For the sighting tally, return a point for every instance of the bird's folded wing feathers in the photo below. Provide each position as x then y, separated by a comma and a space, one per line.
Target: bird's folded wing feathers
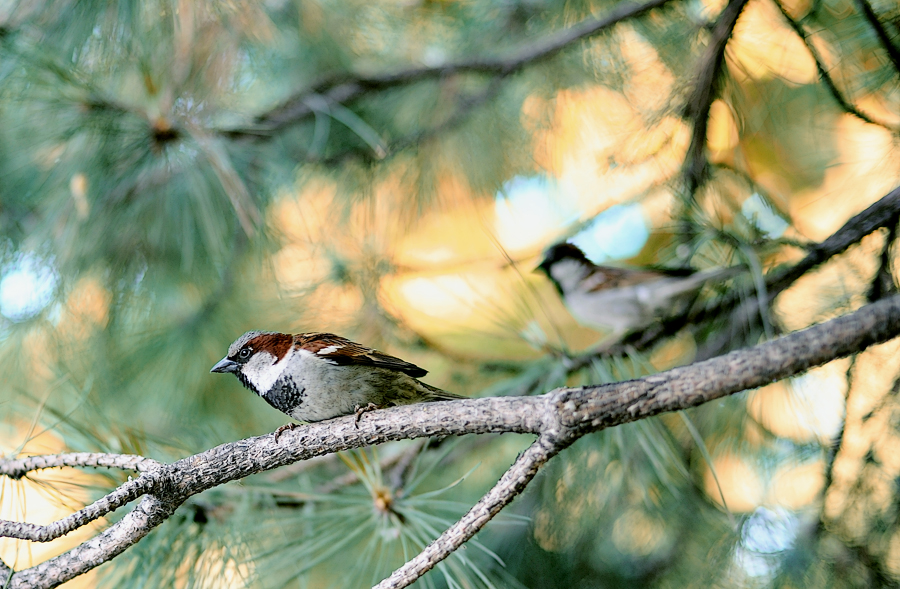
606, 277
343, 352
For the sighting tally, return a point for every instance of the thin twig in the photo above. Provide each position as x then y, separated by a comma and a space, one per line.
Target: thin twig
883, 283
122, 495
507, 488
464, 109
883, 36
845, 104
16, 469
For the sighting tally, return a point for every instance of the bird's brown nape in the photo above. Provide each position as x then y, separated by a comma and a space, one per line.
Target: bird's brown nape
276, 344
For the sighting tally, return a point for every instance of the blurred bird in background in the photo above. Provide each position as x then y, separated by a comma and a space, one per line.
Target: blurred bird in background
621, 300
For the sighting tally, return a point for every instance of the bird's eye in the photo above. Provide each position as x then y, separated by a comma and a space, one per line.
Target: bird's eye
244, 353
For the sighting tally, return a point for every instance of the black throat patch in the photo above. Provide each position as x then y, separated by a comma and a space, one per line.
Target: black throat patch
245, 381
285, 395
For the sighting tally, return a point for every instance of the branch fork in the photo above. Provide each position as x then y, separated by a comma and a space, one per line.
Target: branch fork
558, 418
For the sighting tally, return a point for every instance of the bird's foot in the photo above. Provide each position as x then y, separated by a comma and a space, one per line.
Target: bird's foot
283, 429
360, 410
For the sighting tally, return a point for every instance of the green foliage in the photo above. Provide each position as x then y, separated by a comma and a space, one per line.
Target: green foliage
184, 171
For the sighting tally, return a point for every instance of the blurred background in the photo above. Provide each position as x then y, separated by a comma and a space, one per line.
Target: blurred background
173, 174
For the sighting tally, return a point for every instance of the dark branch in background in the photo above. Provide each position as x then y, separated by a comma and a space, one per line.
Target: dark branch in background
345, 88
464, 108
834, 449
837, 444
861, 551
883, 213
559, 418
705, 91
872, 564
883, 36
845, 104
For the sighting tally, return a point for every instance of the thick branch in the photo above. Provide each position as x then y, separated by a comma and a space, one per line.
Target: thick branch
561, 415
346, 88
507, 488
597, 407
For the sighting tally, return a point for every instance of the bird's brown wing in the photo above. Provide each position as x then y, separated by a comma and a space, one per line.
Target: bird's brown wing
341, 351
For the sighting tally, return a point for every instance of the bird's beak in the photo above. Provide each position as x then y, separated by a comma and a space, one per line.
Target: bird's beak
542, 267
225, 365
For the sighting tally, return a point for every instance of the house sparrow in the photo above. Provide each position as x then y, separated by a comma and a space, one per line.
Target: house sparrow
316, 376
618, 299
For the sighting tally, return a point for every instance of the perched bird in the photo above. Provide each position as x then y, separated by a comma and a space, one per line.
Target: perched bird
618, 299
316, 376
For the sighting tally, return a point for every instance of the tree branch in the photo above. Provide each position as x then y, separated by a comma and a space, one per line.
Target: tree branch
705, 92
886, 42
559, 417
845, 104
464, 107
16, 469
345, 88
148, 514
882, 213
5, 573
507, 488
122, 495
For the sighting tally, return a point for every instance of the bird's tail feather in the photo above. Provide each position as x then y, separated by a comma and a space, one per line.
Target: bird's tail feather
436, 394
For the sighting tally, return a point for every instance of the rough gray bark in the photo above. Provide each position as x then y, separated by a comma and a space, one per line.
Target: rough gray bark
558, 418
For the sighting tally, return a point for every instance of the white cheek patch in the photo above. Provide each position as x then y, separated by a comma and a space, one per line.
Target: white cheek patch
568, 273
263, 371
329, 350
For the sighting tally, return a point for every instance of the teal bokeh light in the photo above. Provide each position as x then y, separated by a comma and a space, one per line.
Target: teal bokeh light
618, 232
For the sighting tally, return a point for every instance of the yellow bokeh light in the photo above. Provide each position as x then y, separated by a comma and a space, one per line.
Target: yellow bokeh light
603, 152
740, 482
453, 297
804, 409
649, 83
637, 533
795, 486
864, 170
722, 135
763, 46
86, 309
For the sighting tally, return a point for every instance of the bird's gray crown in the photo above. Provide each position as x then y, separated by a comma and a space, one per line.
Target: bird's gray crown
240, 342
